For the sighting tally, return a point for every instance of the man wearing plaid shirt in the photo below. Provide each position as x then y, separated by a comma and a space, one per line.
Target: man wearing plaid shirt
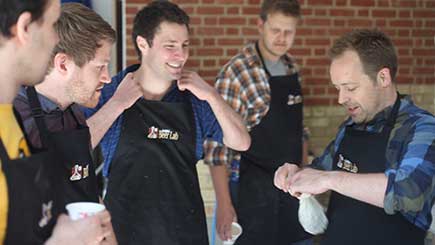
262, 84
380, 167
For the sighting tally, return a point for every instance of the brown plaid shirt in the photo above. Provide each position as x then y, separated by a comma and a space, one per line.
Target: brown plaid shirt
244, 84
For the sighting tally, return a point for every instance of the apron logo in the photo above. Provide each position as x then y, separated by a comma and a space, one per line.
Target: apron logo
155, 133
46, 214
78, 172
346, 164
293, 100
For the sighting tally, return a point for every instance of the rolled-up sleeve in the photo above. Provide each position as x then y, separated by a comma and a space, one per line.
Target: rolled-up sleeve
411, 180
216, 153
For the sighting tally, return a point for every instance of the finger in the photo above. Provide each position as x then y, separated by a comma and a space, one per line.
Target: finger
220, 232
104, 217
279, 179
186, 72
180, 85
63, 219
278, 184
128, 77
227, 232
106, 232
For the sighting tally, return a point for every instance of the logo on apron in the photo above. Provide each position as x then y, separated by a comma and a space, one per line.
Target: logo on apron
346, 164
156, 133
46, 214
294, 99
78, 172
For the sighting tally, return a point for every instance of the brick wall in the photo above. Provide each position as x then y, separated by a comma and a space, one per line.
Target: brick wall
221, 27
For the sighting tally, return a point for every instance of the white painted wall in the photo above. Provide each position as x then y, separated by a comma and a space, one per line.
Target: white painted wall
106, 8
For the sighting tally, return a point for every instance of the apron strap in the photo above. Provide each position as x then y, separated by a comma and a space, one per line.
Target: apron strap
38, 115
74, 116
262, 60
3, 154
393, 115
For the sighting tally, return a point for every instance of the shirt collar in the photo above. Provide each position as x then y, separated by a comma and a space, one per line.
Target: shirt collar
383, 115
47, 105
253, 57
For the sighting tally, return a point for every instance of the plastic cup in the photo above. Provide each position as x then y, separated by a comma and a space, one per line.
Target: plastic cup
236, 231
80, 210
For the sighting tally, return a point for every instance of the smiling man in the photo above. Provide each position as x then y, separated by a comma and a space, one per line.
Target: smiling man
380, 167
152, 148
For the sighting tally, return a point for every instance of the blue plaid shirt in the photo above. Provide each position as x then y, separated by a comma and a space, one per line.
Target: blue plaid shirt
206, 124
410, 165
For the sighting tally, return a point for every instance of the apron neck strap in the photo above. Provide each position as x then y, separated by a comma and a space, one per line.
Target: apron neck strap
257, 48
37, 114
3, 154
393, 114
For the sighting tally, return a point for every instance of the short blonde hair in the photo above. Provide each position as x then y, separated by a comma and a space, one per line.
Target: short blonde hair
81, 32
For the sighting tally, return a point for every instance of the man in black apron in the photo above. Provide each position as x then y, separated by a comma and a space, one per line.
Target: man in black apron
27, 185
270, 101
380, 166
153, 191
78, 71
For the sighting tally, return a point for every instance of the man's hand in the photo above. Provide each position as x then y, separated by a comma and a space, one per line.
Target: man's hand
225, 215
283, 174
127, 92
191, 81
106, 224
309, 181
88, 231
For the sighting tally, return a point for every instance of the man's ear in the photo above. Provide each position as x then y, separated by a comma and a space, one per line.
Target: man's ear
142, 44
260, 25
62, 63
383, 77
20, 31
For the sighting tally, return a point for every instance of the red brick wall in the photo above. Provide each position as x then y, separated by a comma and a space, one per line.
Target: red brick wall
221, 27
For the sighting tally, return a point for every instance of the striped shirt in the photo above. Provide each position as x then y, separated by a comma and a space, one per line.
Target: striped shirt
206, 124
410, 156
244, 84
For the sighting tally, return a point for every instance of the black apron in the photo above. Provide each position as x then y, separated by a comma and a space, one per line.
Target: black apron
31, 192
359, 223
153, 193
266, 214
76, 174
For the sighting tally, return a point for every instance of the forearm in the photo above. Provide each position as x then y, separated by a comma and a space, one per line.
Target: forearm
369, 188
236, 135
101, 121
219, 177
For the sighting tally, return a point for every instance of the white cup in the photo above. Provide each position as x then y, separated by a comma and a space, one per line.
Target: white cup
80, 210
236, 231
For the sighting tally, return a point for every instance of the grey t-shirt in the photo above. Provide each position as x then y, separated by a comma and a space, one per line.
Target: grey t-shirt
276, 68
